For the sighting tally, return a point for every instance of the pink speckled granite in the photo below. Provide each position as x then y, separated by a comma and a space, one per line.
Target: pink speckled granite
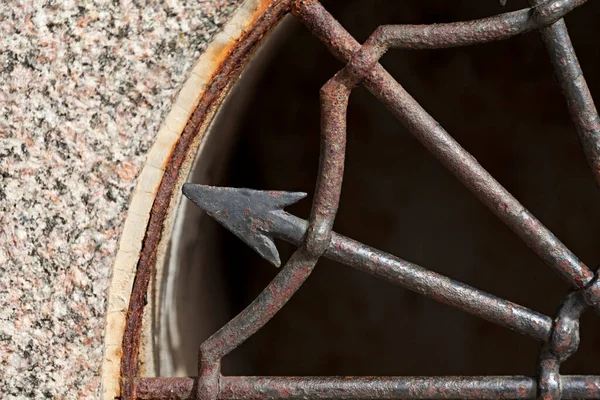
84, 86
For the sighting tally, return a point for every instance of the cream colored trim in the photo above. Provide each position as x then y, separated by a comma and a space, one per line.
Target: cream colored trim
150, 179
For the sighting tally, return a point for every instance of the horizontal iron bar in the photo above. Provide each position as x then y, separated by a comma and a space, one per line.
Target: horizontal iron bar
367, 388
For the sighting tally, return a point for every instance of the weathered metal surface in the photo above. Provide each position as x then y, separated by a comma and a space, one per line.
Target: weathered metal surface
574, 87
456, 34
244, 212
257, 217
262, 214
384, 387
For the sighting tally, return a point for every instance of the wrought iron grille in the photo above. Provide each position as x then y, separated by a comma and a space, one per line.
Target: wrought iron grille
257, 217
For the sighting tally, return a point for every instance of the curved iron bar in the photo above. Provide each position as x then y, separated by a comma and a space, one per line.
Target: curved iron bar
543, 15
464, 33
438, 36
334, 102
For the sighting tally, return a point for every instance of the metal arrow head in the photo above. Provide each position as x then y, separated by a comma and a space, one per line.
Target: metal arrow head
245, 212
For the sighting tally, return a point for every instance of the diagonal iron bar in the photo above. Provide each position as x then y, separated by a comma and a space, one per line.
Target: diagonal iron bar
258, 217
443, 146
575, 89
367, 388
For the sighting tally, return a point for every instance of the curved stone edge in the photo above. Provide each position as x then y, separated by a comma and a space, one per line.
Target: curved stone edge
149, 180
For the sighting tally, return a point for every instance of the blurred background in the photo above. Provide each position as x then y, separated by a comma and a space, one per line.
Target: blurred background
500, 101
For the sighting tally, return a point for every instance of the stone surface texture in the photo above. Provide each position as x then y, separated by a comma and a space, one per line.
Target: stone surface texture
84, 86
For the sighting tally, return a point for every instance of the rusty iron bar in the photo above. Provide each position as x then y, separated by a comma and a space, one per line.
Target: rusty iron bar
574, 87
445, 35
456, 34
429, 132
494, 28
250, 320
564, 339
367, 388
301, 263
334, 101
465, 33
258, 217
440, 288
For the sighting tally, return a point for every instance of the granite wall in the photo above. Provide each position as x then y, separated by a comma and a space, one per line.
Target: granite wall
84, 86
